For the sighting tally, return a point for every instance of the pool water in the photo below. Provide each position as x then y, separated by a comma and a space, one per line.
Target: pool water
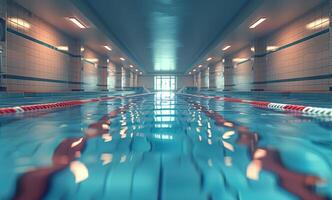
166, 146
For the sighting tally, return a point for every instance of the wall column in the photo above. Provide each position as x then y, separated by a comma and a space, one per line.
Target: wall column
212, 76
330, 43
3, 43
228, 74
259, 64
102, 74
76, 67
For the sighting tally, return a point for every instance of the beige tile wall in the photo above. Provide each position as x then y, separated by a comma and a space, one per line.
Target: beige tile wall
306, 59
3, 45
309, 58
26, 58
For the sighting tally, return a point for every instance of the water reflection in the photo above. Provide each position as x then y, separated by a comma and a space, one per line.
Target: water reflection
170, 147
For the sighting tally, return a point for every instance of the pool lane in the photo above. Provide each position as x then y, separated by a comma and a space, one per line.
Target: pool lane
164, 147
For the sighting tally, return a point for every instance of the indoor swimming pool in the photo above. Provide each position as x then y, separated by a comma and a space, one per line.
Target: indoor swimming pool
167, 146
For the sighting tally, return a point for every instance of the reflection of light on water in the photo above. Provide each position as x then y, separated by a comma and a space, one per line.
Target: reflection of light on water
254, 169
123, 158
228, 146
79, 170
105, 126
123, 130
163, 136
63, 126
107, 137
259, 153
210, 163
228, 134
74, 144
209, 132
199, 122
228, 161
106, 158
209, 125
209, 141
228, 124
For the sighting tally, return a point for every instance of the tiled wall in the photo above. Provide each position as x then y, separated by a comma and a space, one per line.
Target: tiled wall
42, 59
3, 45
297, 57
310, 58
29, 62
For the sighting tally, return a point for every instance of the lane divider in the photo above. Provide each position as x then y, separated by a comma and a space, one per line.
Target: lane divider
326, 112
61, 104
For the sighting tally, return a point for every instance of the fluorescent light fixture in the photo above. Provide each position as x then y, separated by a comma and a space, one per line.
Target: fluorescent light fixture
131, 66
226, 47
238, 60
93, 60
63, 48
199, 66
318, 23
258, 22
271, 48
108, 48
77, 22
209, 59
122, 59
19, 22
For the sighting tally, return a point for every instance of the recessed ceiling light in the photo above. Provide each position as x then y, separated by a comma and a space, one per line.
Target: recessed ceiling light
199, 66
19, 22
318, 23
136, 70
209, 59
226, 47
238, 60
77, 22
258, 22
141, 73
93, 60
194, 70
189, 72
272, 48
108, 48
122, 59
63, 48
131, 66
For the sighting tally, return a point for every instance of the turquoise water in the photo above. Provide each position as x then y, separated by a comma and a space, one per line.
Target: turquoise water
166, 146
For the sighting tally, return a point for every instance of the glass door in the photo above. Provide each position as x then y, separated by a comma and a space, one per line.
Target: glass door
164, 83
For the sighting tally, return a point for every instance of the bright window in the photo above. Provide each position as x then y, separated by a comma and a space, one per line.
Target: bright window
164, 83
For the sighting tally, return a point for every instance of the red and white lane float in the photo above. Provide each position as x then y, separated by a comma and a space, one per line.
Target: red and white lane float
61, 104
318, 111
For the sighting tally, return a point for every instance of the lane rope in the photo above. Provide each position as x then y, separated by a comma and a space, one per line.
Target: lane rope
319, 111
61, 104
